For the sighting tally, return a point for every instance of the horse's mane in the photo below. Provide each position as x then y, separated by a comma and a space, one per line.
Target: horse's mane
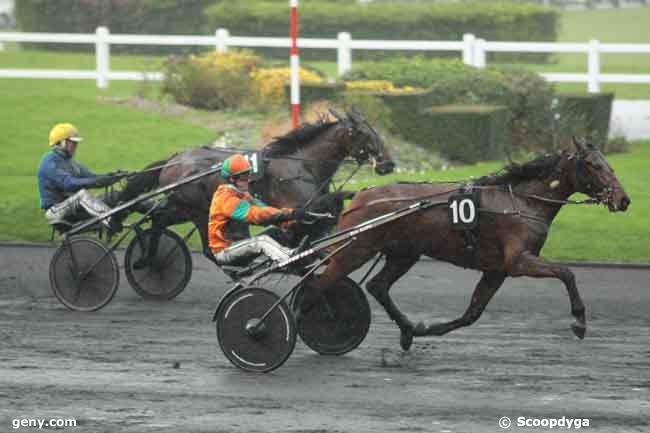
538, 168
297, 139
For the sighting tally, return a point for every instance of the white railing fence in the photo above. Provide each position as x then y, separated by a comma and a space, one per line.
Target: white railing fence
472, 50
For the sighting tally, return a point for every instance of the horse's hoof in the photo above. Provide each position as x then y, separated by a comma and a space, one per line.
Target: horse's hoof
420, 329
579, 329
406, 338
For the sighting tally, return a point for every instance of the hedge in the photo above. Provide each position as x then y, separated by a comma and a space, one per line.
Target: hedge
417, 71
419, 21
120, 16
312, 92
466, 133
587, 114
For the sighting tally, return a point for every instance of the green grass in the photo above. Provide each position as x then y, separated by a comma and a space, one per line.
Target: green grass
14, 57
115, 137
127, 138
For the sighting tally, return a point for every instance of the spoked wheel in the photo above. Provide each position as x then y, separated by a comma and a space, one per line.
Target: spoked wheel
84, 274
338, 322
167, 273
248, 343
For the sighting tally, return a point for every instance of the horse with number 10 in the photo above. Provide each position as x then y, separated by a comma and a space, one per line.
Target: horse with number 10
516, 209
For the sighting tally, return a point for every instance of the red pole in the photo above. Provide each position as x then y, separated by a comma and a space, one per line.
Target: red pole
295, 65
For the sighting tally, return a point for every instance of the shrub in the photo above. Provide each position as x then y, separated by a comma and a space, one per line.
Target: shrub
526, 94
372, 107
269, 84
313, 92
530, 100
585, 114
212, 81
420, 21
414, 72
377, 86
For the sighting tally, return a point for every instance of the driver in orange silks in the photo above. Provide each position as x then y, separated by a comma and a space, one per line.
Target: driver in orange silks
233, 209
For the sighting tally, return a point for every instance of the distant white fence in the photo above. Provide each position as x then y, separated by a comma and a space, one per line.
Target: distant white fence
472, 50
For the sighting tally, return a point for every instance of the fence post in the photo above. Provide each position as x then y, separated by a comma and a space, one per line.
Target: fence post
222, 36
102, 56
344, 53
468, 49
479, 53
593, 66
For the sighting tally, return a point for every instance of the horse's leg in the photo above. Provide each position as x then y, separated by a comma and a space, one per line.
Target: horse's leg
160, 219
200, 220
485, 289
529, 265
379, 285
339, 266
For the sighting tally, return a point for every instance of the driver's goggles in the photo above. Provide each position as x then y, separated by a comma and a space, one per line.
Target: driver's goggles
245, 177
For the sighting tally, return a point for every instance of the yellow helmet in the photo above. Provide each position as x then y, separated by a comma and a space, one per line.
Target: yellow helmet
63, 131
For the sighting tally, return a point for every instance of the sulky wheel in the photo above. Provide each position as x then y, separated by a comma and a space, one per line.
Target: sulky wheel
338, 322
166, 275
248, 343
84, 274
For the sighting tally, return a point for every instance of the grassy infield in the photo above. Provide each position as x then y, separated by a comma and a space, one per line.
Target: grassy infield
128, 138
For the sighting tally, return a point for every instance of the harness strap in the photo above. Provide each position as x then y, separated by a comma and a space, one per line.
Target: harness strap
394, 200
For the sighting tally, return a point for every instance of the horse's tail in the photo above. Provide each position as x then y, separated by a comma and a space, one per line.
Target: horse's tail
144, 181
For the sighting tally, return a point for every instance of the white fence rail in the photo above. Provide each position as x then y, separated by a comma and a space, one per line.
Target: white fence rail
472, 50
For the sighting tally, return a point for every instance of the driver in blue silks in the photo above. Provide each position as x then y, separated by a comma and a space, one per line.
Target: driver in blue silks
63, 182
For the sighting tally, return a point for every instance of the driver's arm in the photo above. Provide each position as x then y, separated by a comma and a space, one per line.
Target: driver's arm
257, 213
63, 179
85, 172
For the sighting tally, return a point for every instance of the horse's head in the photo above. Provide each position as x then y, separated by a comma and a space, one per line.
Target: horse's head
362, 142
595, 177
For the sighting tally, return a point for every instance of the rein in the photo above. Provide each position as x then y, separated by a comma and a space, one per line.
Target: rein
197, 159
514, 211
329, 179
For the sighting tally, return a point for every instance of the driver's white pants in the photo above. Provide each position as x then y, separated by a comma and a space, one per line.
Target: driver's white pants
244, 252
71, 207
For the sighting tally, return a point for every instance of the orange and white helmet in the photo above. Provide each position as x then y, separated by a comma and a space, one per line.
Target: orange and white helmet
236, 165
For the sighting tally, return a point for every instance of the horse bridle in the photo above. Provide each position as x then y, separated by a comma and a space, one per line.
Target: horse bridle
604, 194
366, 147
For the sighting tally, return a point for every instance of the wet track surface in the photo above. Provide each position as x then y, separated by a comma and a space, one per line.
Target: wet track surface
114, 370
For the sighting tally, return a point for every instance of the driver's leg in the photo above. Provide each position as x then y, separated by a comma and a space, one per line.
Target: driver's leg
272, 248
93, 205
242, 253
69, 210
76, 207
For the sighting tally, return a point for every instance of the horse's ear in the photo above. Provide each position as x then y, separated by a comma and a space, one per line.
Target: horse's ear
355, 115
337, 115
579, 143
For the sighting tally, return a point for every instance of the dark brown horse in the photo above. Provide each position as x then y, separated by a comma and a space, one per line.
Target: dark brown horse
507, 245
298, 167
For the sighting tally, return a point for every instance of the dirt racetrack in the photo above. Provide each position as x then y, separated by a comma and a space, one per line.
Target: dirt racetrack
113, 371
